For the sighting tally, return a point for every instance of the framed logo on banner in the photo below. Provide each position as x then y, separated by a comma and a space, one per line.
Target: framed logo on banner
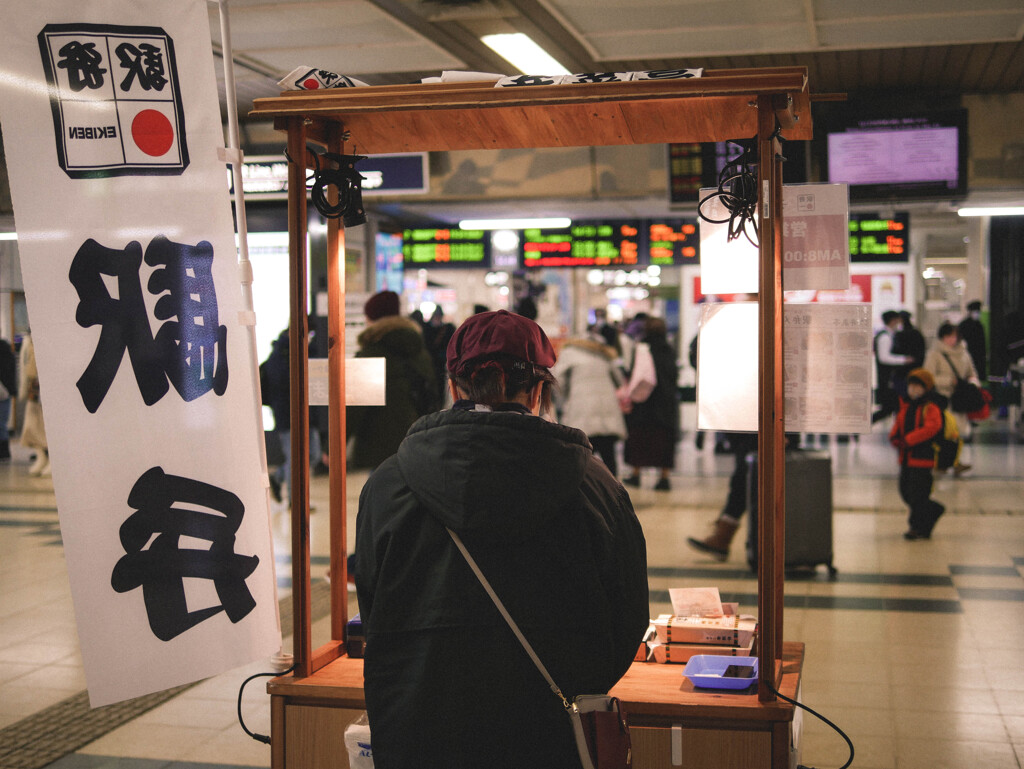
115, 98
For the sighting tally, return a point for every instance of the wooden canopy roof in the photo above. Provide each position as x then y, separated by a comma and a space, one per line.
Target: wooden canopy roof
719, 106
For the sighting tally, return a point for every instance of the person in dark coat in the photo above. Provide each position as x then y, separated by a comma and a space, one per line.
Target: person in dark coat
972, 332
410, 384
447, 684
436, 334
887, 365
8, 388
652, 426
909, 341
275, 383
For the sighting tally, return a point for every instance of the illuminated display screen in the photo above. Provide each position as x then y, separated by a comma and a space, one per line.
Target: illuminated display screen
594, 244
446, 248
673, 241
878, 239
685, 172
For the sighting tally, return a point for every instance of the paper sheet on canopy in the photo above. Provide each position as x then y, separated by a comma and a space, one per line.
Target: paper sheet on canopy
111, 129
827, 364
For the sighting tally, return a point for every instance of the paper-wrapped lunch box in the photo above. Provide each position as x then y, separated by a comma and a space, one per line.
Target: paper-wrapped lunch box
659, 652
720, 631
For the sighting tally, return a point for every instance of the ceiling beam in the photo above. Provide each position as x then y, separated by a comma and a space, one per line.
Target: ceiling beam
552, 33
452, 37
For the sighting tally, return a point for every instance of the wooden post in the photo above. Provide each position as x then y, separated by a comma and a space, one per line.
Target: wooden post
336, 407
771, 464
298, 362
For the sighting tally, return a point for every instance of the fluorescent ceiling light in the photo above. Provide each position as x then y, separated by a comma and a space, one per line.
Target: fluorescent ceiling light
992, 211
515, 224
525, 55
8, 236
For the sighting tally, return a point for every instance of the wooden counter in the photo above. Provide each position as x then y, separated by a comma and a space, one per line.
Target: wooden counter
711, 729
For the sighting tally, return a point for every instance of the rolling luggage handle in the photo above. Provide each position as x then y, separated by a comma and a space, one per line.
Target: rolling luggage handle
613, 753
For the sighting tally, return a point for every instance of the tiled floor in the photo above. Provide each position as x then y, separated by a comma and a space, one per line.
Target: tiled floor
914, 650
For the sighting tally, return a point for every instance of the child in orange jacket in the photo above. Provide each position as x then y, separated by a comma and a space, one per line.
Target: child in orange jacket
918, 422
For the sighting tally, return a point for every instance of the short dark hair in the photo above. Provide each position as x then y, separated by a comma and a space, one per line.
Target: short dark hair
501, 378
889, 316
946, 329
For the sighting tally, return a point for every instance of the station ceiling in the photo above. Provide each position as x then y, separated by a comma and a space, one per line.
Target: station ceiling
940, 46
921, 48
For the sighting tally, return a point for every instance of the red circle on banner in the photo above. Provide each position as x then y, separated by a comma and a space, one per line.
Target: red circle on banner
152, 132
312, 84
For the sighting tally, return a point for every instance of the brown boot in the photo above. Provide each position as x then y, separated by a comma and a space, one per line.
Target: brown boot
716, 545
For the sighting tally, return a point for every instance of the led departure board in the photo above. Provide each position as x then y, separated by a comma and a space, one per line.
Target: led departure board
879, 239
585, 244
450, 247
672, 241
685, 172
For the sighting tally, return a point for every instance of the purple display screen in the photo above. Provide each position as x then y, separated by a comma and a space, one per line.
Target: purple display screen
901, 157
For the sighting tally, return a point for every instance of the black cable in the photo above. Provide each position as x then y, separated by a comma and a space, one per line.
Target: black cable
816, 715
258, 737
737, 191
345, 179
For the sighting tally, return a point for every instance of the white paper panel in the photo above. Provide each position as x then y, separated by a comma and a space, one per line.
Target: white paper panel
364, 382
827, 367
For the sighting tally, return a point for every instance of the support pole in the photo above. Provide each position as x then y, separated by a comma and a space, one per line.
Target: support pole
298, 362
234, 157
771, 464
336, 405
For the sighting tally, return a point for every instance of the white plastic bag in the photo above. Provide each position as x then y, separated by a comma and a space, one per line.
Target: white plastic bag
357, 742
644, 378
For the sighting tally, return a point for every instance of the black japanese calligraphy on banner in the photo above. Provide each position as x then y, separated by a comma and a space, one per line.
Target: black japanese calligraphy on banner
115, 100
190, 351
166, 509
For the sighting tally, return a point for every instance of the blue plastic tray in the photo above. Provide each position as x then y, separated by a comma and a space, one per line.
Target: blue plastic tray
705, 671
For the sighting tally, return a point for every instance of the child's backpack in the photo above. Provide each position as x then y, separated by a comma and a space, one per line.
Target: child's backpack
947, 442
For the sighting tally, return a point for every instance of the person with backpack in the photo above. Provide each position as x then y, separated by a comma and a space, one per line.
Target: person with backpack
918, 423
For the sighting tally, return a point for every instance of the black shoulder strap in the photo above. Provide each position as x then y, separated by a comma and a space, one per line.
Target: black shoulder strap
955, 372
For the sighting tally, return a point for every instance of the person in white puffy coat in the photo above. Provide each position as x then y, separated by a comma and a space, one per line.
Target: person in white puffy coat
588, 376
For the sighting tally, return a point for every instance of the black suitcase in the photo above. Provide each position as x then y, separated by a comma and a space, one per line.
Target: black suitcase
808, 512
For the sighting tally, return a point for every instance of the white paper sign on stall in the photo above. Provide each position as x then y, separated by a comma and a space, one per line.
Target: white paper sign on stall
111, 129
815, 242
815, 237
826, 376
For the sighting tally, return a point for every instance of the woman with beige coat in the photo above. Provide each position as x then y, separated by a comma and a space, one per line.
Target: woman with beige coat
948, 360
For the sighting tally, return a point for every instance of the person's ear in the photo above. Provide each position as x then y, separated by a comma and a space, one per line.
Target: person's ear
534, 400
454, 389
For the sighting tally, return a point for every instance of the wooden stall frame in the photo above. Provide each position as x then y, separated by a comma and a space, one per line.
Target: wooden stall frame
724, 104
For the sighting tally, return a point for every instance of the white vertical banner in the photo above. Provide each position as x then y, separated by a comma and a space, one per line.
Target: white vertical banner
111, 129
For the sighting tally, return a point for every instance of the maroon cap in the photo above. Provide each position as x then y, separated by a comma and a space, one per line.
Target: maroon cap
381, 304
498, 333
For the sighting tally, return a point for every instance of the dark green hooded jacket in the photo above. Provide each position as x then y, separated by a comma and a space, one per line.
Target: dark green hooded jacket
410, 390
447, 683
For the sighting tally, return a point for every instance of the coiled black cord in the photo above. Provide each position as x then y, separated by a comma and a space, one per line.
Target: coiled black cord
258, 737
345, 179
737, 190
816, 715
